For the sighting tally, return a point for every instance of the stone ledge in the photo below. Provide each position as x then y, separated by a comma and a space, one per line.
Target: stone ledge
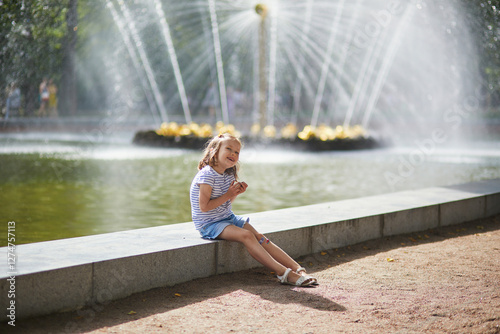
68, 274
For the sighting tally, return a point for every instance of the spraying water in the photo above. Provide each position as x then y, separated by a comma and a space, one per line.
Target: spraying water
272, 67
218, 61
300, 67
135, 61
326, 65
342, 60
173, 59
388, 60
353, 62
145, 61
364, 76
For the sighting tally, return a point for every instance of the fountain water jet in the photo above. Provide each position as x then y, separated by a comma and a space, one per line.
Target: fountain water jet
322, 64
363, 77
272, 68
343, 57
218, 61
326, 65
173, 59
134, 58
262, 10
388, 60
145, 61
300, 72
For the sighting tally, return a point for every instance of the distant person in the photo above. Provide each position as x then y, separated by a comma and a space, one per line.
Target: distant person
13, 99
213, 190
52, 88
44, 98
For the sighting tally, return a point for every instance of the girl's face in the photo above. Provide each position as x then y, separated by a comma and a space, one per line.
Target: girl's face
229, 154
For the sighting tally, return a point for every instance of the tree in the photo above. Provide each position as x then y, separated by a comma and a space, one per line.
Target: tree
30, 37
484, 20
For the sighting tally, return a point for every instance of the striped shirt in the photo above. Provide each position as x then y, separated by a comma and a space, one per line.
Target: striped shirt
220, 185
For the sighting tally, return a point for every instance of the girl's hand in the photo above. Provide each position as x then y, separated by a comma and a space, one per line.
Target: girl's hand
243, 187
236, 188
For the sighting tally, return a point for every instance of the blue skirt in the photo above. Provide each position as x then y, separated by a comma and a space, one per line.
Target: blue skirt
213, 230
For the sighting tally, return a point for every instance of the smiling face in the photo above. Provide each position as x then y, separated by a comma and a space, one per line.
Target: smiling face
228, 155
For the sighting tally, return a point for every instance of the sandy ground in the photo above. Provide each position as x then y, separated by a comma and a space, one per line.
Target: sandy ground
445, 280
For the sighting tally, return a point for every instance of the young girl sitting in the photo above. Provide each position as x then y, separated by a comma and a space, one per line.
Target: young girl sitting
213, 190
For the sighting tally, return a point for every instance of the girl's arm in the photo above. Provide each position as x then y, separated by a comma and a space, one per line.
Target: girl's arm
207, 204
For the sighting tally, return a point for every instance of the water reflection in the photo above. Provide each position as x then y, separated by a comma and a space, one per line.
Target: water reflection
59, 189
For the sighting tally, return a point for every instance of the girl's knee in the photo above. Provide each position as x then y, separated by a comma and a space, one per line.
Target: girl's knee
246, 235
261, 238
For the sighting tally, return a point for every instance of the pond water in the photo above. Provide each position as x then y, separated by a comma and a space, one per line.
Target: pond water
63, 185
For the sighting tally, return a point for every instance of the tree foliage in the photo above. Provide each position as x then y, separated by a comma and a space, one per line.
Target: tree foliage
483, 18
31, 34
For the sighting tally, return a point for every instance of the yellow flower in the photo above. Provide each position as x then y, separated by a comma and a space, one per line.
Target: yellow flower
289, 131
270, 131
307, 133
255, 129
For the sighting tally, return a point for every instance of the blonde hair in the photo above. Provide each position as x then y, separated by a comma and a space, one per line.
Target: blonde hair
212, 150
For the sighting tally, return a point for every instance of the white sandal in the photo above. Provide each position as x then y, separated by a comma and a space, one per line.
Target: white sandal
315, 280
301, 281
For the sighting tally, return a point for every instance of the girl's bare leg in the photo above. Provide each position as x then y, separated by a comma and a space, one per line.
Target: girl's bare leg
257, 251
277, 253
